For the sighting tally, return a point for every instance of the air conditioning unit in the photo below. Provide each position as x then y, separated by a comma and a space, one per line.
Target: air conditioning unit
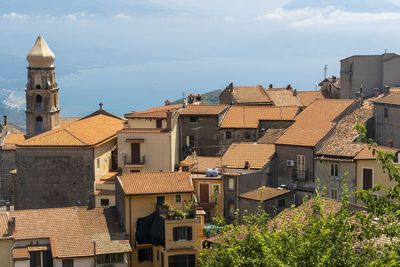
290, 163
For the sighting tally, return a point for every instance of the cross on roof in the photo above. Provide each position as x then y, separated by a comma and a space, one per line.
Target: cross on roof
101, 105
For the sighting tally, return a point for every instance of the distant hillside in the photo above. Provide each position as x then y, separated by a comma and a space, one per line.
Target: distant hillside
206, 98
12, 104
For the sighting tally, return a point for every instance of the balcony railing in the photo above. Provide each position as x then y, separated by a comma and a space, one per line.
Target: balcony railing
128, 161
300, 175
170, 213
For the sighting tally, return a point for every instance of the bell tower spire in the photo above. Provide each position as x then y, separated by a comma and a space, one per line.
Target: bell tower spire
42, 109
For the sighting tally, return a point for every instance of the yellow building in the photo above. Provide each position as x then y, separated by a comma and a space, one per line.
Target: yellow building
369, 171
209, 188
148, 141
158, 212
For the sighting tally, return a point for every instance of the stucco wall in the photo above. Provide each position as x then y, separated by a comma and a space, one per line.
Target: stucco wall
237, 135
391, 70
323, 173
78, 262
206, 137
50, 178
102, 155
156, 148
145, 123
5, 253
387, 128
285, 173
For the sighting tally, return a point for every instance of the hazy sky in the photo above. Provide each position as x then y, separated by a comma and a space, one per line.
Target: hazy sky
135, 54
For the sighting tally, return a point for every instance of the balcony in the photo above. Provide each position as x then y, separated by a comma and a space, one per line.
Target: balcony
171, 213
299, 175
134, 163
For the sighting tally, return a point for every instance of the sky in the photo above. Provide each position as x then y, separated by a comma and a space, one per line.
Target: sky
133, 55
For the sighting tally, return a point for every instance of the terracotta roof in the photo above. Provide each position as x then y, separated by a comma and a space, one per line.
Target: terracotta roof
392, 99
283, 97
307, 97
314, 123
12, 139
203, 110
200, 163
250, 94
71, 230
156, 112
258, 155
82, 133
249, 116
149, 183
366, 152
270, 136
342, 141
264, 193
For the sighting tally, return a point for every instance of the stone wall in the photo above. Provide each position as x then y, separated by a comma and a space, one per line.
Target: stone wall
49, 178
387, 128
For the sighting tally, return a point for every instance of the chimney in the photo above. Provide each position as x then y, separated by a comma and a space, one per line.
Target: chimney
198, 98
230, 87
270, 85
8, 206
191, 98
10, 225
169, 116
167, 102
247, 165
390, 143
376, 91
333, 78
288, 87
5, 119
294, 92
361, 96
386, 90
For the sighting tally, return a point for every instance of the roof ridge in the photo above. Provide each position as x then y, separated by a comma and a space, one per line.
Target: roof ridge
75, 136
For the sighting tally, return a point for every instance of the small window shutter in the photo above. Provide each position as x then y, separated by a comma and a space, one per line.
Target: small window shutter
175, 233
189, 232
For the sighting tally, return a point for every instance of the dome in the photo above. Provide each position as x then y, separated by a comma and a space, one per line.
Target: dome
40, 55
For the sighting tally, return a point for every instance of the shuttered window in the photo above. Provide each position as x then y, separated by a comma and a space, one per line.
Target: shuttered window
182, 233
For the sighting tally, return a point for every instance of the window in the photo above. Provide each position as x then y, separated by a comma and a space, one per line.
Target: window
231, 183
385, 113
38, 102
105, 202
39, 125
43, 259
38, 86
247, 135
367, 178
281, 203
335, 170
190, 140
55, 100
228, 135
216, 188
182, 233
98, 163
301, 166
334, 194
160, 200
178, 198
68, 263
158, 123
36, 259
186, 260
110, 258
194, 119
135, 170
145, 254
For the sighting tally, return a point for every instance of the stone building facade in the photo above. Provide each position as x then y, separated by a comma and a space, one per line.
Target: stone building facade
386, 120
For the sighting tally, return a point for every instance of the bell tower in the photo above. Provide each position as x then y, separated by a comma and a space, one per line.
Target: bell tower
42, 109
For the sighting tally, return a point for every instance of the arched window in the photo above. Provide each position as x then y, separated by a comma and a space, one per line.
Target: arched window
39, 102
39, 125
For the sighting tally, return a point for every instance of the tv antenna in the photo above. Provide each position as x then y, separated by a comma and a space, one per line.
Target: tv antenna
325, 70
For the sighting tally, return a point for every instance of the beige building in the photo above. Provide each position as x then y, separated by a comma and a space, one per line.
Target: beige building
158, 211
369, 171
148, 141
63, 237
368, 72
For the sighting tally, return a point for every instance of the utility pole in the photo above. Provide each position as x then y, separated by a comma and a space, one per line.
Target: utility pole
325, 70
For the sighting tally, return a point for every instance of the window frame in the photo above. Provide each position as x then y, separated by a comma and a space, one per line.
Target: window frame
228, 135
182, 233
247, 135
107, 202
229, 183
362, 177
219, 189
301, 166
158, 123
279, 204
335, 171
334, 194
180, 198
140, 256
194, 119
